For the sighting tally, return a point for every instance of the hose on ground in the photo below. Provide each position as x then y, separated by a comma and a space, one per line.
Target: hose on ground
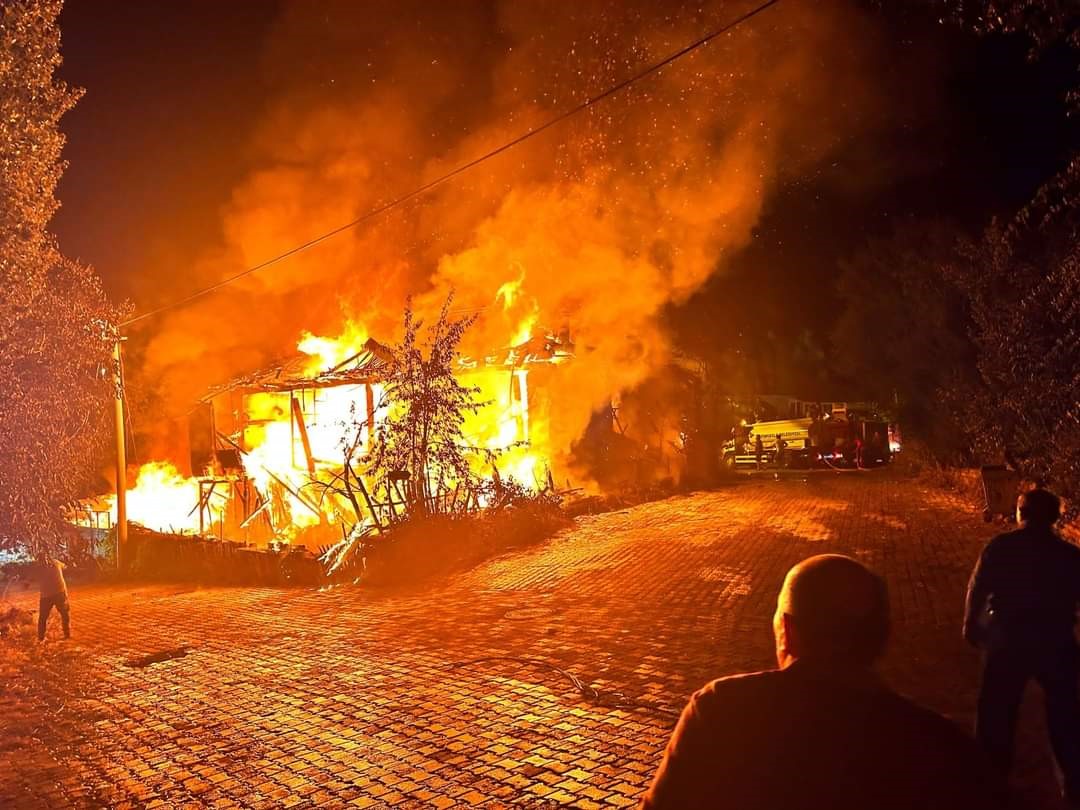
597, 697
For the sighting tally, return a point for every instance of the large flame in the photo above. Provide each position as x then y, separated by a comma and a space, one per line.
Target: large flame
165, 500
293, 440
287, 469
601, 224
328, 353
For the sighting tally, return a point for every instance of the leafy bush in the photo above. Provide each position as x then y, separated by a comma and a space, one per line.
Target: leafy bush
1022, 289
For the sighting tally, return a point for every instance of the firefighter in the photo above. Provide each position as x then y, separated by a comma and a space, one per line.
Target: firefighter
759, 450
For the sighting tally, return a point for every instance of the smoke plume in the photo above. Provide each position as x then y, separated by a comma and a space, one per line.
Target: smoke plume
596, 224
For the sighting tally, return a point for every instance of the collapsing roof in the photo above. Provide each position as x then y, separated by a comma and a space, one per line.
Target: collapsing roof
371, 364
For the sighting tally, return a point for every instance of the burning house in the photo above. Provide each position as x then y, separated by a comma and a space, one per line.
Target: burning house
265, 447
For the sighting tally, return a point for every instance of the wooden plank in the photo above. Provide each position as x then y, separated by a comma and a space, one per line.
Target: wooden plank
278, 480
298, 420
369, 401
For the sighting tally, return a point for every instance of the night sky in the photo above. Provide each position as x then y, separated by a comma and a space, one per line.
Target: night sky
156, 144
173, 90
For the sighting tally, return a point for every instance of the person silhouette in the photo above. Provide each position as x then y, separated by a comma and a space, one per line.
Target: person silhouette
822, 731
1020, 611
52, 593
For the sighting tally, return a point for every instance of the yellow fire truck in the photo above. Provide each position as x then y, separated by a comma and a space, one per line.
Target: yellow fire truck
838, 440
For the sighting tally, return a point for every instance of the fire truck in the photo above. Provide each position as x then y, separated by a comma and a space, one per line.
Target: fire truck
839, 439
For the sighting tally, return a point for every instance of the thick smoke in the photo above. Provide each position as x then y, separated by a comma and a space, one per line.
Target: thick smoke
597, 224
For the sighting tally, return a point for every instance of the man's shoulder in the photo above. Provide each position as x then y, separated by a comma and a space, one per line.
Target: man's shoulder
938, 748
1068, 550
740, 688
1006, 544
716, 703
928, 723
744, 680
1022, 538
772, 684
1007, 538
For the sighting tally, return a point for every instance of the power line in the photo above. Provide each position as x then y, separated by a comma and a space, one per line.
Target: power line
464, 167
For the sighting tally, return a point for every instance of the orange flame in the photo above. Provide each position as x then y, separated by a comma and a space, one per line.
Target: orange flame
293, 440
166, 501
328, 353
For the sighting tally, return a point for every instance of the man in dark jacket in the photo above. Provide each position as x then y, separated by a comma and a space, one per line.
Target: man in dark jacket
1021, 609
822, 731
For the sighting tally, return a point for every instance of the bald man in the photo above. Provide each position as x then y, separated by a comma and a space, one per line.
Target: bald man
821, 731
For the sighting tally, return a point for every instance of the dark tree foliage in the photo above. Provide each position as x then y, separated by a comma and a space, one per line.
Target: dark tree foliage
901, 339
1022, 288
979, 339
1022, 284
56, 330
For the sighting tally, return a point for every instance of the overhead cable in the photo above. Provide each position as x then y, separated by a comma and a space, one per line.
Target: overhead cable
464, 167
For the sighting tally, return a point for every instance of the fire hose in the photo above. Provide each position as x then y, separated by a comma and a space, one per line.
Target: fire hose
597, 697
832, 466
828, 463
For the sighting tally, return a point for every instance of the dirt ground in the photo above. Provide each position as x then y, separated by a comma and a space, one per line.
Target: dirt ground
351, 697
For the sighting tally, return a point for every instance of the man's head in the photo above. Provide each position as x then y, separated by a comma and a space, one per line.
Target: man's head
1040, 508
831, 610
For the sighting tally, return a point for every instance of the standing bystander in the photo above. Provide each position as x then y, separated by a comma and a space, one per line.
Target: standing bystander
54, 593
1021, 611
781, 451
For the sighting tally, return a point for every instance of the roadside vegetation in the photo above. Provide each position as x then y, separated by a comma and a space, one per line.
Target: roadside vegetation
434, 501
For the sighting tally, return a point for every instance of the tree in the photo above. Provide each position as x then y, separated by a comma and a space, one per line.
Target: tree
56, 325
1021, 286
978, 338
901, 338
1044, 22
415, 482
418, 454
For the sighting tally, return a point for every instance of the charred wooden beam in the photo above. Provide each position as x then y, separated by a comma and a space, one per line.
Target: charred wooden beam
298, 420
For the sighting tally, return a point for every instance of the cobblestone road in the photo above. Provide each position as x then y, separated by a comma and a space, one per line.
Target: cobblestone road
347, 698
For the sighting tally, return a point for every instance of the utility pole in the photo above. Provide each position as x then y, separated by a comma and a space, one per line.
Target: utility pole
121, 457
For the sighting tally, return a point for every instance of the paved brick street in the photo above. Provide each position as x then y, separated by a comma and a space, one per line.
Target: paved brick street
345, 697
